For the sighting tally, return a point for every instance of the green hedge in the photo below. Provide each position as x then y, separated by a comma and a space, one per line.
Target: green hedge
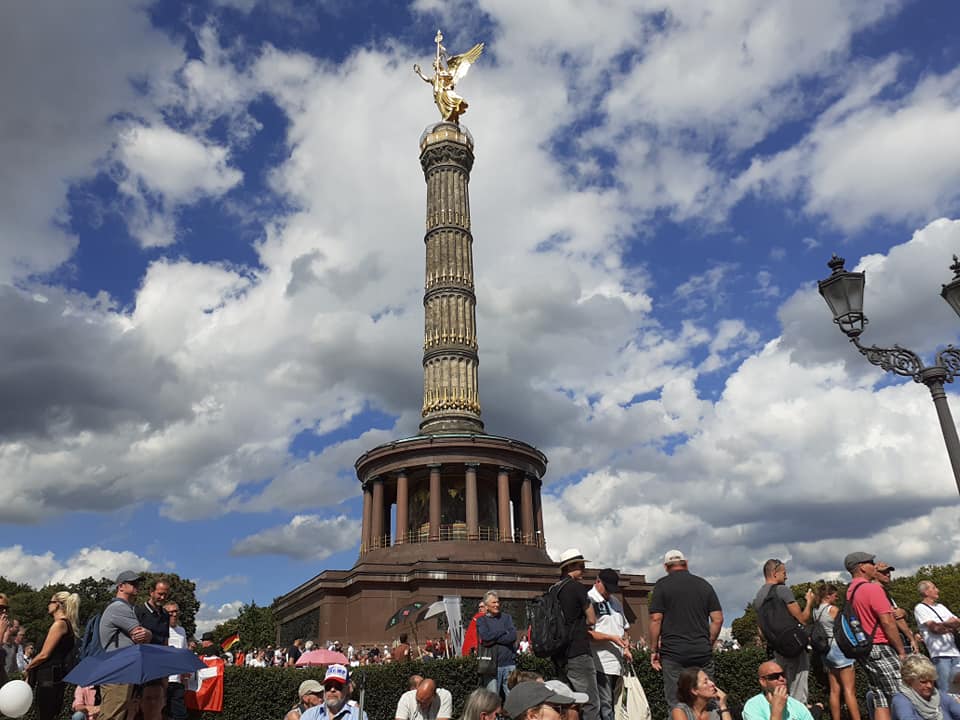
268, 693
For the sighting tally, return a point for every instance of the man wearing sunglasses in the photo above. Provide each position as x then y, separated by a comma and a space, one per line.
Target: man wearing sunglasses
876, 615
774, 701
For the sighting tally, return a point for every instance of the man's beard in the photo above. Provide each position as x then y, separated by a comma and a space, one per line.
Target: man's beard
335, 705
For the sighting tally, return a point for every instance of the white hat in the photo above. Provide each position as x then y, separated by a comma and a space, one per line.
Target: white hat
571, 556
561, 688
673, 556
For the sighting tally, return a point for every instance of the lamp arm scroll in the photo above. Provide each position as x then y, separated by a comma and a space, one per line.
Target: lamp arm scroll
898, 360
949, 360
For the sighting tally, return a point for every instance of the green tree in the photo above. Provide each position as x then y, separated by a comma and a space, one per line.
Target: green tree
255, 624
744, 628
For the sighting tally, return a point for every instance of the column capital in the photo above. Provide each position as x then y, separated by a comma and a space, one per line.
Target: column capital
434, 466
472, 465
400, 471
505, 469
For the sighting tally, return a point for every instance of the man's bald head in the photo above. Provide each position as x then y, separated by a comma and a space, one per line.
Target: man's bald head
769, 667
426, 691
771, 676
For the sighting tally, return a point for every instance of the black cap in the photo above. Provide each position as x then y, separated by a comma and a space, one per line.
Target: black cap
610, 580
207, 636
527, 695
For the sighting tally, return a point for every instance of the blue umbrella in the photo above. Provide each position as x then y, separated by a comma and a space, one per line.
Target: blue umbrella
134, 665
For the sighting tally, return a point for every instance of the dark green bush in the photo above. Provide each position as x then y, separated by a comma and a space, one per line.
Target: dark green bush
268, 693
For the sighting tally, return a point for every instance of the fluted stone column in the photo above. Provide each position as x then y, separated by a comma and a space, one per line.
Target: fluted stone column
376, 527
473, 502
538, 511
526, 509
451, 399
365, 527
435, 499
503, 503
403, 506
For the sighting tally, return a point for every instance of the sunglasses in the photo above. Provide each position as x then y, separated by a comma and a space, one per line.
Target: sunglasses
333, 686
774, 676
4, 608
884, 572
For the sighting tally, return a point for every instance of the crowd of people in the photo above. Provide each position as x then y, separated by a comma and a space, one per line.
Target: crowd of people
685, 622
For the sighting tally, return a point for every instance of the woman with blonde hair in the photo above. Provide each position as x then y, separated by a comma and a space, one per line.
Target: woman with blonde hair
918, 698
45, 672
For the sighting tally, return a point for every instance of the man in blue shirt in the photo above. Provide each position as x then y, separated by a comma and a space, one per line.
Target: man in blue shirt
774, 703
496, 630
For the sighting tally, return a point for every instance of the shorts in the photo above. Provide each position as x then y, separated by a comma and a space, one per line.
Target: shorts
883, 674
835, 659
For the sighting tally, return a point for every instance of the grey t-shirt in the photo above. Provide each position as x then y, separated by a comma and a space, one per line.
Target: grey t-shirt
116, 622
781, 590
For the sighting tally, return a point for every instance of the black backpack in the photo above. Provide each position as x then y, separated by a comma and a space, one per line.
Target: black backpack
818, 636
781, 629
848, 631
549, 631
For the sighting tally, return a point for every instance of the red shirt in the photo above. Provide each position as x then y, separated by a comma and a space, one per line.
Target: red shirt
870, 603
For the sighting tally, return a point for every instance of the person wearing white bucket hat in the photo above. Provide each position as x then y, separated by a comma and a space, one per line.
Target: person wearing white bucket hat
575, 663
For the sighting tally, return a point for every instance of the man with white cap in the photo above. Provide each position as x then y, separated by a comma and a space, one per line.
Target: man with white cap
685, 620
575, 662
336, 693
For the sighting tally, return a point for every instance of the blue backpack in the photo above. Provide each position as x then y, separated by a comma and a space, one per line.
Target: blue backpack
90, 645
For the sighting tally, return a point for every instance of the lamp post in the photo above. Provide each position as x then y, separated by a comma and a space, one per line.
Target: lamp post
843, 292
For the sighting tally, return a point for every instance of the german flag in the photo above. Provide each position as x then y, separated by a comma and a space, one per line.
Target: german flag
230, 641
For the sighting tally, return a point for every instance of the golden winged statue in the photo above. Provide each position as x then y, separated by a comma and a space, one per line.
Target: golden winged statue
447, 72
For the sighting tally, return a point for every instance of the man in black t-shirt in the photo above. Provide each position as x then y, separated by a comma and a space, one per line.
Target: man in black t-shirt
155, 618
575, 663
294, 652
685, 620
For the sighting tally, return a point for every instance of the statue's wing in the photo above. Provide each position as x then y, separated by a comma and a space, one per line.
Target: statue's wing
460, 64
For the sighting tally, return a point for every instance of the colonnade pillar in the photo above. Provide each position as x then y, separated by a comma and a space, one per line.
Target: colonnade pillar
434, 502
473, 502
503, 504
365, 527
526, 510
376, 526
403, 506
541, 540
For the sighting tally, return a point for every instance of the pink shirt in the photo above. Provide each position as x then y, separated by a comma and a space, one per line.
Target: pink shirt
83, 697
870, 603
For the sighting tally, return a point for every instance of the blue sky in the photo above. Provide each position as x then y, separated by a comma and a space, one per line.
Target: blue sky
211, 264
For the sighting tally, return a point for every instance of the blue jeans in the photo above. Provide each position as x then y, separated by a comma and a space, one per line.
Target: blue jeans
606, 686
946, 668
498, 684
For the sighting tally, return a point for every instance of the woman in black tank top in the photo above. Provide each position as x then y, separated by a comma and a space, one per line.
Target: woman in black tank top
45, 672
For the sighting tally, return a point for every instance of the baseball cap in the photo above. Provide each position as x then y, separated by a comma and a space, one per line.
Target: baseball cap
129, 576
882, 567
337, 673
527, 695
855, 558
208, 636
673, 556
309, 686
561, 688
610, 579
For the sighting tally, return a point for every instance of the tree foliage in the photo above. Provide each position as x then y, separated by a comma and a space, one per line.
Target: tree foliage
30, 606
255, 624
902, 589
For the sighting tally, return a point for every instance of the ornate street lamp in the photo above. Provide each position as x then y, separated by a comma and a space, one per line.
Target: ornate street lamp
843, 292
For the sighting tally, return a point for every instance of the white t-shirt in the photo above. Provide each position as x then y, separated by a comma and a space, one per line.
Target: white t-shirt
441, 707
611, 621
938, 645
177, 639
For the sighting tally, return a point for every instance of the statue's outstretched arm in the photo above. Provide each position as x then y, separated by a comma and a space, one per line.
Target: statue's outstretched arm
418, 71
